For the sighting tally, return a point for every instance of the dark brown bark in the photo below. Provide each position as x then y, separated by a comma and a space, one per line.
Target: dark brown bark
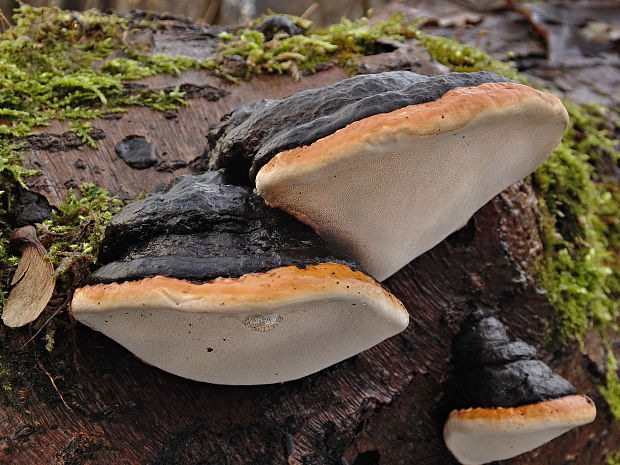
384, 406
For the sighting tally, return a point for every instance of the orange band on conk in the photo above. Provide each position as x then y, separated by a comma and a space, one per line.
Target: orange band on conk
568, 407
274, 284
444, 114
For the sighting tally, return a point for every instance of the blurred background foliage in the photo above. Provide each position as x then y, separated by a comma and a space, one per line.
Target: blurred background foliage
230, 11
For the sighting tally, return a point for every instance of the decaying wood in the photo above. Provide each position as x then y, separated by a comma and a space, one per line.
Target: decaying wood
384, 406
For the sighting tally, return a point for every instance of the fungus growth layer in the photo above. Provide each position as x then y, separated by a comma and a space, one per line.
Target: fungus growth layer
199, 228
249, 136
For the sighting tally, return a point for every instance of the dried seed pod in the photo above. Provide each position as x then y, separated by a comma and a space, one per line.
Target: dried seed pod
33, 280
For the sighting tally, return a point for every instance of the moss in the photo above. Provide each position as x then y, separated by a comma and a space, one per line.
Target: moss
462, 58
246, 52
78, 227
581, 232
47, 64
83, 129
611, 388
613, 458
580, 265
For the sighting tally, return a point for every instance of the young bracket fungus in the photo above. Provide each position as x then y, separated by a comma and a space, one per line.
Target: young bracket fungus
385, 166
205, 281
509, 402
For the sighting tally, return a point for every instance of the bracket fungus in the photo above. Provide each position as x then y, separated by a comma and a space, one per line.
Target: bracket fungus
508, 402
205, 281
385, 166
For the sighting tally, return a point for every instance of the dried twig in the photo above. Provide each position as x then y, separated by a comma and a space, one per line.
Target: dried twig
311, 9
53, 384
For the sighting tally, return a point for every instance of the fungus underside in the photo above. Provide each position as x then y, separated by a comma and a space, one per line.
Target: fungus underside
47, 72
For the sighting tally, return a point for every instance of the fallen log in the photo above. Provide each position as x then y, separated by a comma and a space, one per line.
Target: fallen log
99, 404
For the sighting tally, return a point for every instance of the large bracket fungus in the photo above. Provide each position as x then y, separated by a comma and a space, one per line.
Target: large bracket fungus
382, 167
508, 402
203, 280
385, 166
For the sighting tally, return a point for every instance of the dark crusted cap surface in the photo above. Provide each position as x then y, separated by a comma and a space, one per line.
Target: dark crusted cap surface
277, 24
492, 371
200, 228
249, 136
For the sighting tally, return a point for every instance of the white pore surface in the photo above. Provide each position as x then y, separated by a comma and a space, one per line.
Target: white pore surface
389, 200
476, 448
249, 345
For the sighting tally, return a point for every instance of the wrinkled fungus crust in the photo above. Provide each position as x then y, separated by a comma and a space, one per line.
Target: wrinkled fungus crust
452, 111
200, 228
257, 329
492, 371
249, 136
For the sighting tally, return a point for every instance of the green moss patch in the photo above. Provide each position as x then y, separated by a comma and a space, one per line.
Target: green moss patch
78, 228
580, 206
47, 69
246, 52
613, 459
581, 226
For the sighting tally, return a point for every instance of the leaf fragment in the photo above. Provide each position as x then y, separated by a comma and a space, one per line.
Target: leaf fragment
33, 280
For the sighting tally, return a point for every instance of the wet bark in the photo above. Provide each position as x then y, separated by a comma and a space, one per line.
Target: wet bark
384, 406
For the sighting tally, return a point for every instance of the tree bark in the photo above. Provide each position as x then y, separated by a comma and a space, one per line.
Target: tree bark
384, 406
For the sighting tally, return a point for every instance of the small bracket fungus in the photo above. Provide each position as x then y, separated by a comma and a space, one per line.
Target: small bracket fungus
510, 403
385, 166
266, 303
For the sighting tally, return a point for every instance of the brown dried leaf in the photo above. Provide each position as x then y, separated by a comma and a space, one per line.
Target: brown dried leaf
33, 281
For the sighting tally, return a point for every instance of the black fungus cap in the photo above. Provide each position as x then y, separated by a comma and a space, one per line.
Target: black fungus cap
250, 135
277, 24
200, 228
493, 371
